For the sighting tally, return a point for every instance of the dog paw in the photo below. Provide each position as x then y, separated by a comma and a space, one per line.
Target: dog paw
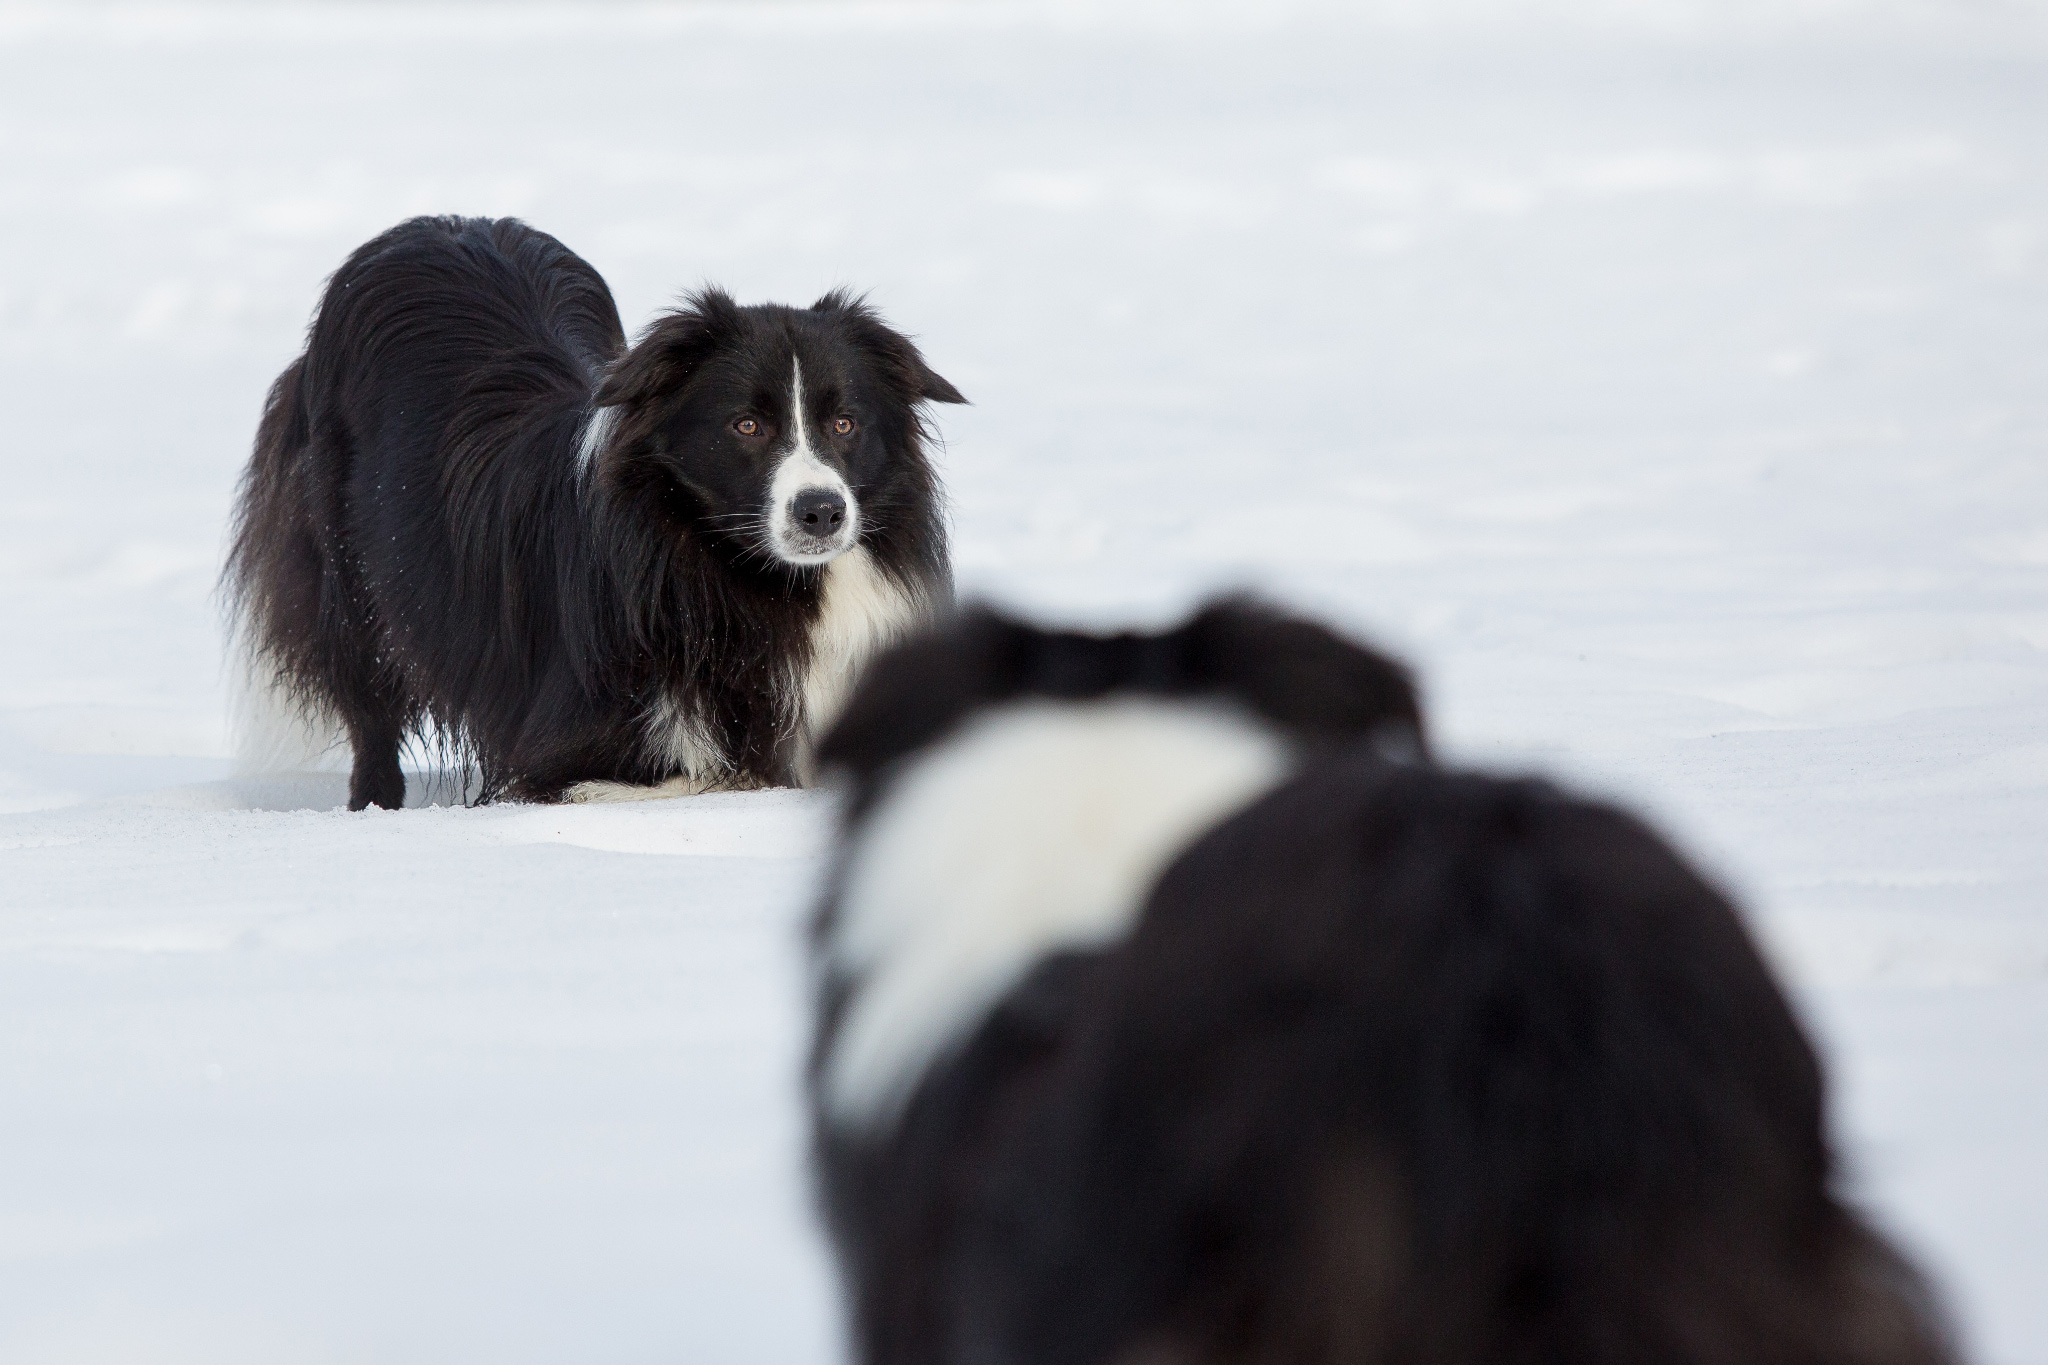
586, 793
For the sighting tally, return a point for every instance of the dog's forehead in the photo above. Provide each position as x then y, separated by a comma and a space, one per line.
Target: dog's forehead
776, 340
834, 364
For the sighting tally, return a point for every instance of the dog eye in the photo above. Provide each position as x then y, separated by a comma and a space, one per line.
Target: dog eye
747, 426
842, 426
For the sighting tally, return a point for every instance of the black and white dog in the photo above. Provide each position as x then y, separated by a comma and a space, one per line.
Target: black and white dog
474, 513
1166, 1017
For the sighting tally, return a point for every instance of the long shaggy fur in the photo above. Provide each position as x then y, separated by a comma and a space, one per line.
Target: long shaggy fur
1392, 1065
474, 514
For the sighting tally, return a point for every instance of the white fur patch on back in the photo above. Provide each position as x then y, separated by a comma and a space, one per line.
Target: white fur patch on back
861, 611
1041, 826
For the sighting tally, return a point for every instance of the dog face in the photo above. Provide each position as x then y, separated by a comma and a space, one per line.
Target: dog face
787, 434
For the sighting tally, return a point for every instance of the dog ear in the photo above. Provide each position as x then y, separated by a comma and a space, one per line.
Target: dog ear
917, 381
629, 398
1305, 676
937, 388
670, 350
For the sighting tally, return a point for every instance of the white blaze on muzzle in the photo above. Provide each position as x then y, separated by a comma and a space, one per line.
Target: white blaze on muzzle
799, 473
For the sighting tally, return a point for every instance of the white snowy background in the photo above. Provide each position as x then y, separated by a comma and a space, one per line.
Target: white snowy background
1669, 380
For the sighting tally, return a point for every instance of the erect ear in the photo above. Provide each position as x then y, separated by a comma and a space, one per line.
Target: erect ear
669, 351
906, 369
631, 396
937, 387
1303, 675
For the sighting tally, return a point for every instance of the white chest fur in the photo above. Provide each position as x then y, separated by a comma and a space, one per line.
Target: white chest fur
862, 611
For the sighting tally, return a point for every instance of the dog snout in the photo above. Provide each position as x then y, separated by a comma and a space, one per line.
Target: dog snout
818, 512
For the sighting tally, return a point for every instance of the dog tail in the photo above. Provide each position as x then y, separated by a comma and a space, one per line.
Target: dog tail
275, 727
269, 591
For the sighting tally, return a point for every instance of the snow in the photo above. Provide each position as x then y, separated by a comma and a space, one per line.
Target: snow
1666, 378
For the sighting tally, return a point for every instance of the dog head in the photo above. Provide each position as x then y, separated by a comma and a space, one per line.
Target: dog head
786, 434
1304, 682
1016, 790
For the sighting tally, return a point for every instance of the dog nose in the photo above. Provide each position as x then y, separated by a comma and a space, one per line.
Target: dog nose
818, 511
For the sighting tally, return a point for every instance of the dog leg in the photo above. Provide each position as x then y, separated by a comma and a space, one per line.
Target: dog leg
375, 779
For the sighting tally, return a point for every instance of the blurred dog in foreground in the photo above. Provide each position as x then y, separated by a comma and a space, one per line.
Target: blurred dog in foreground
1171, 1013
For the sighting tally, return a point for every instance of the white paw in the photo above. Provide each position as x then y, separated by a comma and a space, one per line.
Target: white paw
588, 792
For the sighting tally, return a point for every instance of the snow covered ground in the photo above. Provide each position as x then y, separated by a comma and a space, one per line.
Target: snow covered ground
1668, 379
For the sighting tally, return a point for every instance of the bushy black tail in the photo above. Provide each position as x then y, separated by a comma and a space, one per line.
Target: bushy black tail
270, 591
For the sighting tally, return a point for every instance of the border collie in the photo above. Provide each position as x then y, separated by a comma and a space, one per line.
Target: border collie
1162, 1022
474, 514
